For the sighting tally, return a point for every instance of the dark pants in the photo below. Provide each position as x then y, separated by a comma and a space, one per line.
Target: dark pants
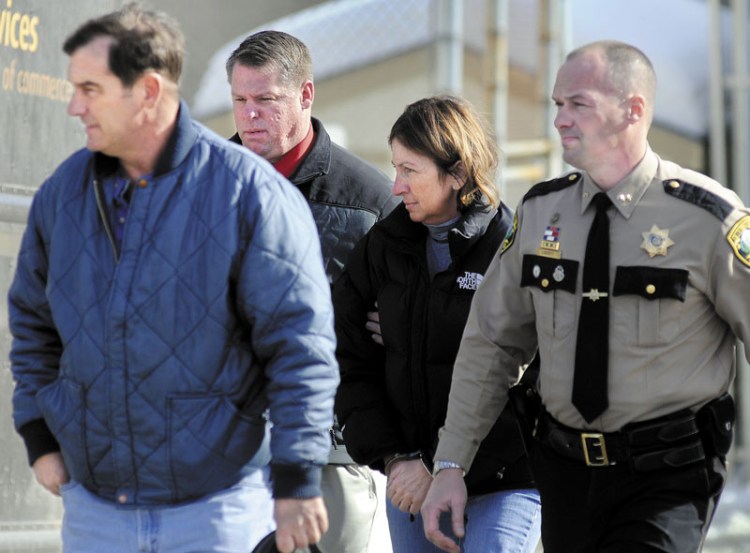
616, 510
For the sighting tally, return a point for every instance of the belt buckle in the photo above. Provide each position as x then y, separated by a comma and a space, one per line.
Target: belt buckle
595, 440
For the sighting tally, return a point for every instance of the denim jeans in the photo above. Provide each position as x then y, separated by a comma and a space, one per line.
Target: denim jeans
507, 522
231, 520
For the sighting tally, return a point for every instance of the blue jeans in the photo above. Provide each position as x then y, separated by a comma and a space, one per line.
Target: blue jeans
507, 522
231, 520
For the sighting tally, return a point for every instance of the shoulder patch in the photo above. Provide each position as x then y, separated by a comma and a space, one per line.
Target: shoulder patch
698, 196
739, 238
552, 185
509, 236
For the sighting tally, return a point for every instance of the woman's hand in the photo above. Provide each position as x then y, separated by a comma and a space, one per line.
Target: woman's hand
408, 482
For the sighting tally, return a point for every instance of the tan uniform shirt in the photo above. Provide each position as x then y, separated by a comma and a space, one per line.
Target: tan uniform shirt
679, 294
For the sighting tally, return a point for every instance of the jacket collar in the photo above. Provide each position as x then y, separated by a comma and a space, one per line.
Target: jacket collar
318, 159
175, 150
627, 193
470, 228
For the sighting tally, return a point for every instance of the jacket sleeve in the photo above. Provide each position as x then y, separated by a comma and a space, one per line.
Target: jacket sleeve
362, 407
284, 295
36, 346
498, 338
730, 274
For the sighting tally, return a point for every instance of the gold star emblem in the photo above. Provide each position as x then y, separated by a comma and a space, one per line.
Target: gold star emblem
656, 241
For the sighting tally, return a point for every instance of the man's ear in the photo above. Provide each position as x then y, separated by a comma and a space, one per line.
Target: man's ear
308, 95
636, 108
153, 86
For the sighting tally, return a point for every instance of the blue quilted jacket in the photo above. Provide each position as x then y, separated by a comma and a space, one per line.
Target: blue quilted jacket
154, 369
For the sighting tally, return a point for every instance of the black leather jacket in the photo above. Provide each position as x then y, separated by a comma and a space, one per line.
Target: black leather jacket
346, 194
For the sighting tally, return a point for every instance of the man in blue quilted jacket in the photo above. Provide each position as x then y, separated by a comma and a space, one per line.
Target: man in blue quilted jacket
171, 319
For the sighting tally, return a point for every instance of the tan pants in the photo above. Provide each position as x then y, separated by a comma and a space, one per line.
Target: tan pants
351, 500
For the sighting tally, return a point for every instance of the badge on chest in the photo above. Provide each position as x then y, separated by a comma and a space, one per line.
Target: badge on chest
656, 241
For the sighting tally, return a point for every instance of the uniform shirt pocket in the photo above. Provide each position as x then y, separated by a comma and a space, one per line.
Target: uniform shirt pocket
556, 305
660, 295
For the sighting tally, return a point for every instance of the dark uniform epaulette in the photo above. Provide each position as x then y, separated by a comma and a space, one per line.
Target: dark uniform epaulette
553, 185
538, 190
701, 197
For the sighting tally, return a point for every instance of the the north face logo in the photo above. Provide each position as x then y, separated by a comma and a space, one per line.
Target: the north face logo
470, 281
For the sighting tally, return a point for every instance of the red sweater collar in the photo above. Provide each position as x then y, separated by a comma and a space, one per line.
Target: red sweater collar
291, 160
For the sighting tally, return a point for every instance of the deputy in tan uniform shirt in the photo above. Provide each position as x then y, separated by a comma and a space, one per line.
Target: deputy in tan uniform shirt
646, 473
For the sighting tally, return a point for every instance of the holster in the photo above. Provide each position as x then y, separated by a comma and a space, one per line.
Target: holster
526, 403
716, 424
338, 455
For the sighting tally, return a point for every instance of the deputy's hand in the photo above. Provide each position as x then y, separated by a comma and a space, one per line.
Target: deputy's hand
299, 522
408, 482
373, 325
447, 493
50, 472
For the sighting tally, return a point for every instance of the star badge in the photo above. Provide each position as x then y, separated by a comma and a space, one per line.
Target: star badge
656, 241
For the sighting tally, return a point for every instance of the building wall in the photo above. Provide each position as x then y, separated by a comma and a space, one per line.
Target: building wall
209, 25
37, 136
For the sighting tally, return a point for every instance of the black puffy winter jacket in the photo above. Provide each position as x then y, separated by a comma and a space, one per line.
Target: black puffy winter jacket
393, 399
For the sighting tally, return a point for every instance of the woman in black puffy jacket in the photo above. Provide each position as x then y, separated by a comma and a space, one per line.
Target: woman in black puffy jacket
419, 268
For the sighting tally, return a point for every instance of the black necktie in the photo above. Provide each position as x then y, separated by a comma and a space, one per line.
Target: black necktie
592, 345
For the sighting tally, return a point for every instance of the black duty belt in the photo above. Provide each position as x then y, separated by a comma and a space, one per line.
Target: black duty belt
671, 441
